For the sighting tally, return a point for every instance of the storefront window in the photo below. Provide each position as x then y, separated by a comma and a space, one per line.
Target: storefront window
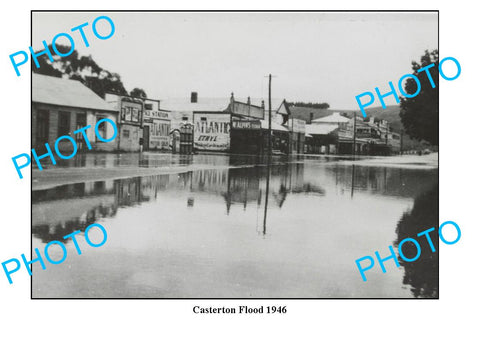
102, 128
128, 114
134, 115
131, 113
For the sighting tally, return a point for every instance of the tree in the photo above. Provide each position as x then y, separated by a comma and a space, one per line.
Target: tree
83, 68
312, 105
419, 115
422, 274
138, 92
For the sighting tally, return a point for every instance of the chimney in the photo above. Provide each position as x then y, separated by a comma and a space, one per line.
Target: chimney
194, 97
232, 102
311, 117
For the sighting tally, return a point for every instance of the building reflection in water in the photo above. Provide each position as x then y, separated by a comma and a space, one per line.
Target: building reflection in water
109, 160
308, 214
64, 209
67, 208
422, 274
395, 182
59, 211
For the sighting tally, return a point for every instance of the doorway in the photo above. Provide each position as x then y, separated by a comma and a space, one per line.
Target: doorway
146, 137
41, 133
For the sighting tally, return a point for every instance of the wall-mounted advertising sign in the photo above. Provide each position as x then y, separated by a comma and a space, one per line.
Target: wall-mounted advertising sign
248, 110
131, 113
212, 131
159, 129
150, 115
297, 125
246, 124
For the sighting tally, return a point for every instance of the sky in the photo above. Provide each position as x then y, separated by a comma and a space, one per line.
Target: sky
313, 56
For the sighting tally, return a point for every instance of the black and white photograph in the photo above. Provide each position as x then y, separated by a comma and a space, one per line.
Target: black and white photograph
239, 170
252, 155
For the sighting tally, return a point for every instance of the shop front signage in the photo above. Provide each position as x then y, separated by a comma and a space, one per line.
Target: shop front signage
246, 124
131, 113
159, 123
297, 125
212, 131
150, 115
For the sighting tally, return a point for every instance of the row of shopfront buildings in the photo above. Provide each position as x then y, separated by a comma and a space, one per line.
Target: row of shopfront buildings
334, 134
61, 106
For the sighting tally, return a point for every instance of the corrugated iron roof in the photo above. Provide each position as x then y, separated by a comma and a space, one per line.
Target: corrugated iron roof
320, 129
333, 118
65, 92
275, 126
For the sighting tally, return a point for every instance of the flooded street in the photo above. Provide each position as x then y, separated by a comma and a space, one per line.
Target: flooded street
223, 226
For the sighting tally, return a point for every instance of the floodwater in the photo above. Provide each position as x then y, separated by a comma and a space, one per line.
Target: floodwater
242, 229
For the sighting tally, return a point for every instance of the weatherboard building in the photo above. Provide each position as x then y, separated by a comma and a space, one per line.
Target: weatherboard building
61, 106
237, 126
334, 134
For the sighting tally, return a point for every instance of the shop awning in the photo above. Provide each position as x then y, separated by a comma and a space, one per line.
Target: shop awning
275, 126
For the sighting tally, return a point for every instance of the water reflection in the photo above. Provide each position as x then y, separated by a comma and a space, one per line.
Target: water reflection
397, 182
422, 274
151, 160
66, 208
242, 185
276, 222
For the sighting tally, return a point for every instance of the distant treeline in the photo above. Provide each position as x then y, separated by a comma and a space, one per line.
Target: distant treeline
312, 105
85, 70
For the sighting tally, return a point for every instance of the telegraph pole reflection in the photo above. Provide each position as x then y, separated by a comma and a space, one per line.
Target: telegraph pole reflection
266, 196
353, 179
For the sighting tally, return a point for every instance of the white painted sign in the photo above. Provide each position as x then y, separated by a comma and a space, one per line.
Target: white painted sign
212, 131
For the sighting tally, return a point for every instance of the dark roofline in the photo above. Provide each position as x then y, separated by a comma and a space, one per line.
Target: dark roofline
216, 112
127, 95
260, 107
286, 106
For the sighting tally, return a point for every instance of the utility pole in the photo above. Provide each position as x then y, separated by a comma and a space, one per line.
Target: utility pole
269, 152
354, 133
386, 141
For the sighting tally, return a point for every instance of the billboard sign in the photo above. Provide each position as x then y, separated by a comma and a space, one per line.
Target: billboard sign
212, 131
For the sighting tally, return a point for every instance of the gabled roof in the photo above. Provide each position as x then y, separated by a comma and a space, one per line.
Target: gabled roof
65, 92
284, 108
333, 118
